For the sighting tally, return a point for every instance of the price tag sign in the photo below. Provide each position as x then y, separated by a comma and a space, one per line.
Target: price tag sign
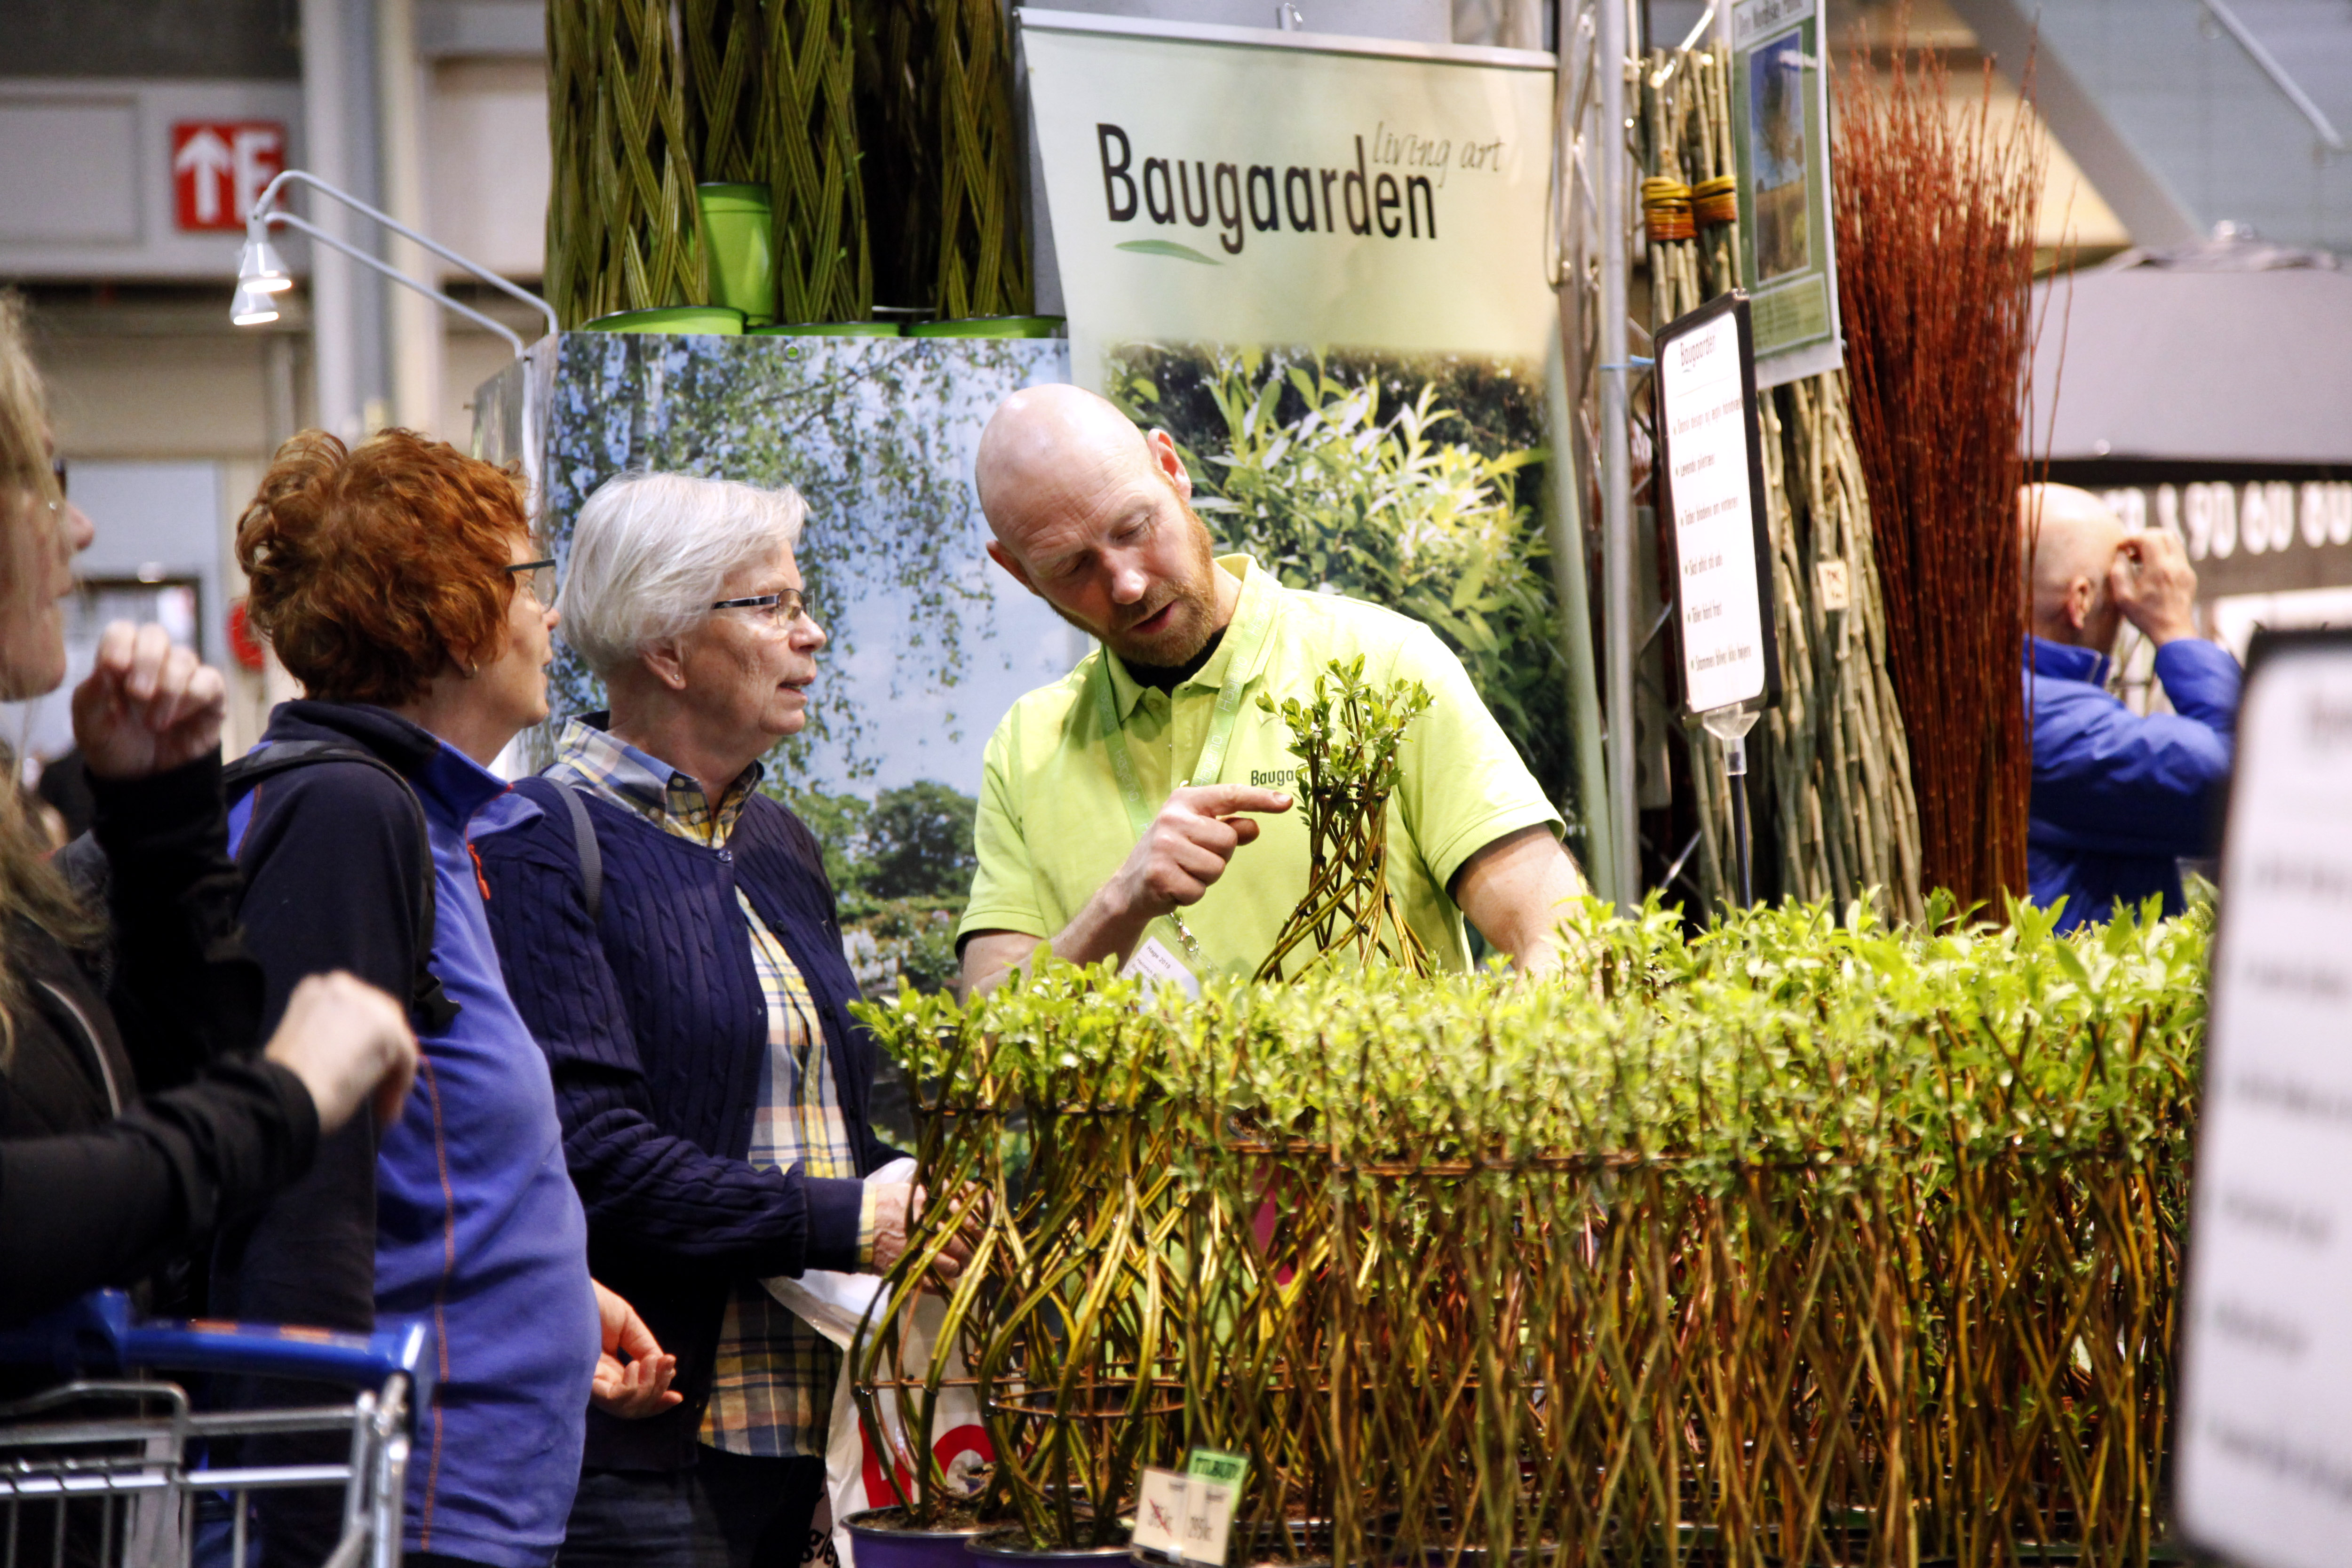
1189, 1516
2265, 1426
1711, 481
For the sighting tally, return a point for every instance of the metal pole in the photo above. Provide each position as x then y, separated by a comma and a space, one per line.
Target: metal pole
416, 344
338, 403
1617, 550
320, 237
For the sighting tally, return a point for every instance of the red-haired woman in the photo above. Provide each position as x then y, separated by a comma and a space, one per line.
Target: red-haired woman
398, 582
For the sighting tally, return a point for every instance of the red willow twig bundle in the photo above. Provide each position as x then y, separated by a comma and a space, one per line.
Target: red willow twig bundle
1936, 207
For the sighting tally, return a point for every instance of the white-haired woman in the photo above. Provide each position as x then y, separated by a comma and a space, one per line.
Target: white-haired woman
669, 933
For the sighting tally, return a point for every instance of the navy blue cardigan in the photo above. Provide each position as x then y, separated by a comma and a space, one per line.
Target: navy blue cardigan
656, 1032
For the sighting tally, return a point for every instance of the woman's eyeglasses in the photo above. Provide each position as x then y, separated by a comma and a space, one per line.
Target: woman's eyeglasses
784, 607
537, 577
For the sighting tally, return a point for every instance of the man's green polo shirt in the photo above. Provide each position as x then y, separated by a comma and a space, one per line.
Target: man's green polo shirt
1053, 828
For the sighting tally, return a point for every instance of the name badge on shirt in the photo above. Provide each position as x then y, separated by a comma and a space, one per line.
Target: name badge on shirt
1152, 961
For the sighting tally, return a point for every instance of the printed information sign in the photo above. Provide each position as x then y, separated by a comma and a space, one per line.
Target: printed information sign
1780, 129
2266, 1392
1711, 471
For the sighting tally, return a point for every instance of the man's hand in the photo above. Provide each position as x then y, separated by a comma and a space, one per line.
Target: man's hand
348, 1043
2153, 585
1187, 847
1179, 859
897, 1206
639, 1387
147, 706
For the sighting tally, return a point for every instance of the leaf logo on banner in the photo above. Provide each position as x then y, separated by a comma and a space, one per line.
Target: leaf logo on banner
1169, 247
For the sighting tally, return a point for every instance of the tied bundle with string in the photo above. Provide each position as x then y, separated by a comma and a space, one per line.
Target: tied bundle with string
1346, 741
1936, 211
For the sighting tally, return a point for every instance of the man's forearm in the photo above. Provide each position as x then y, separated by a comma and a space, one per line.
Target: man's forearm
1109, 927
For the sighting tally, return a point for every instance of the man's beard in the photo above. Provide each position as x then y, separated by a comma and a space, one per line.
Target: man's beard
1189, 628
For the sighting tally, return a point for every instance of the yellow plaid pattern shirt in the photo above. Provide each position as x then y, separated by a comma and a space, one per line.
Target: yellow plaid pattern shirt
772, 1379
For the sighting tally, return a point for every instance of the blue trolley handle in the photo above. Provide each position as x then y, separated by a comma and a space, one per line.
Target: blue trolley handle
98, 1334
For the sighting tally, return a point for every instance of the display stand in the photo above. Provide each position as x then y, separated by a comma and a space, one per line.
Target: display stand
2265, 1458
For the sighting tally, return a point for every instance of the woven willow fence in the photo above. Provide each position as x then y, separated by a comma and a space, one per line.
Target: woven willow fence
1795, 1243
895, 116
1838, 804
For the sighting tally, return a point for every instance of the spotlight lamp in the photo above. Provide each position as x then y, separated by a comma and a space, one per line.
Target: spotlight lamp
259, 268
261, 273
252, 306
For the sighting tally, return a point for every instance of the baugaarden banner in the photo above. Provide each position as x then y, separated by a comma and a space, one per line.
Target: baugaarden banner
1238, 185
1320, 262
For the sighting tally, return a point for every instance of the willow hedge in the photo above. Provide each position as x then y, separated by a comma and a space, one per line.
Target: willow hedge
1805, 1239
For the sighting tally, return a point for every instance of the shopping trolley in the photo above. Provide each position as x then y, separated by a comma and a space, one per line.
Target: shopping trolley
108, 1469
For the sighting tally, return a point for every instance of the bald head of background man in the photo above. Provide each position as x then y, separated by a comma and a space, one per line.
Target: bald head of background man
1094, 518
2085, 576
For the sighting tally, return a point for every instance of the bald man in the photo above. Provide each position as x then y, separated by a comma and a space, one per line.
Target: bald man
1148, 781
2119, 801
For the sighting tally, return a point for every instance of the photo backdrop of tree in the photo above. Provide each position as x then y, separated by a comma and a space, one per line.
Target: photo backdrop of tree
901, 866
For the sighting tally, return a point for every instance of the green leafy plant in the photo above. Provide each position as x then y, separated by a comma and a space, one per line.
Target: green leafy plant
1346, 742
1806, 1238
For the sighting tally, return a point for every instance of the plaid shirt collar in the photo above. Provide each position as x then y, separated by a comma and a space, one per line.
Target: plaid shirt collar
671, 800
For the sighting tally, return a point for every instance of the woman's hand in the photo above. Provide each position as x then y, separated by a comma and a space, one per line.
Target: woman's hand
899, 1208
148, 707
640, 1387
349, 1044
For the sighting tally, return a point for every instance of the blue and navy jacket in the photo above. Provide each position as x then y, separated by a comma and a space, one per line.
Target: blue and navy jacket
2120, 800
465, 1213
656, 1028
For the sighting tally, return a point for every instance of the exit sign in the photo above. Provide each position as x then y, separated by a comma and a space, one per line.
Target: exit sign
219, 167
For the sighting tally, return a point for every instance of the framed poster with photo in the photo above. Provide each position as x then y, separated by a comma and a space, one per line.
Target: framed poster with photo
1781, 119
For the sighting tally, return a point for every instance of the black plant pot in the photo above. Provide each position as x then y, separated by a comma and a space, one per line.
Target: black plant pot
1007, 1546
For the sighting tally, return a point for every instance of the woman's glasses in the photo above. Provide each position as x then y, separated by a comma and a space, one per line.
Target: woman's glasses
784, 607
539, 577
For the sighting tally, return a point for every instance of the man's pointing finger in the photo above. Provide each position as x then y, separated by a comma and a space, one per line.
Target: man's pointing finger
1223, 800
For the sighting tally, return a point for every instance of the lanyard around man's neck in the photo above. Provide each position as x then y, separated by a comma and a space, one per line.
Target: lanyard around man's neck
1242, 641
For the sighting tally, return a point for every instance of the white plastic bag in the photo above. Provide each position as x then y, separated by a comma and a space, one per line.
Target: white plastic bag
857, 1475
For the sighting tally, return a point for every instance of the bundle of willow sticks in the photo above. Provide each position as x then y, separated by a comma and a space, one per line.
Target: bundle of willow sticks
1346, 741
1840, 817
1936, 207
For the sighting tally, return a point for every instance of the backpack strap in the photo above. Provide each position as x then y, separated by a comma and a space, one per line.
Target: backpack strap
429, 1008
584, 835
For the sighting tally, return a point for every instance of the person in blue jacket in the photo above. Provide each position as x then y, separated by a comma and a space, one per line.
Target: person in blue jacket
397, 581
2119, 800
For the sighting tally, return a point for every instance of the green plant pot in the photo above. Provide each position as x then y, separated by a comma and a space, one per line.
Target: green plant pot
990, 327
710, 320
739, 248
828, 330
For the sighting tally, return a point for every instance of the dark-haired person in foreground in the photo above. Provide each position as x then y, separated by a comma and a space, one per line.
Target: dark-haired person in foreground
398, 582
1090, 853
134, 1114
